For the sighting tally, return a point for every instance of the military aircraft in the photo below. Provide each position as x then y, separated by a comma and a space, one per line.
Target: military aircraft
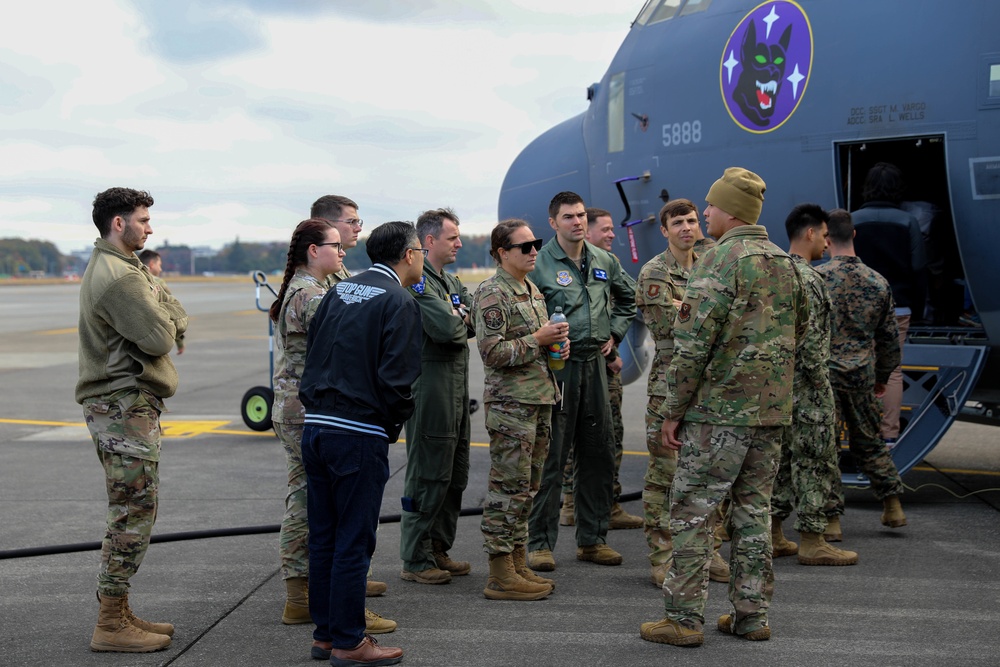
809, 95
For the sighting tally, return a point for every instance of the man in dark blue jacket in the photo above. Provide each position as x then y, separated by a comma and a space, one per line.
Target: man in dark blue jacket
362, 358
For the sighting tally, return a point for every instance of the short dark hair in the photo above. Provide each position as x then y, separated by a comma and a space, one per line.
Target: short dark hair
147, 256
330, 207
117, 202
594, 213
562, 199
500, 236
388, 242
884, 182
841, 227
430, 222
675, 207
802, 218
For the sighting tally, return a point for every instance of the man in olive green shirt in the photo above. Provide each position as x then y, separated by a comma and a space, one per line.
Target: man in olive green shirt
599, 302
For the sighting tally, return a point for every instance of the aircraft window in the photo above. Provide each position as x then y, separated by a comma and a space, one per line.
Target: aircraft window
994, 80
616, 114
693, 6
667, 10
647, 10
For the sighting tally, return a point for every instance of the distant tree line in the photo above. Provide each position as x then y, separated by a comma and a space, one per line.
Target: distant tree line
21, 258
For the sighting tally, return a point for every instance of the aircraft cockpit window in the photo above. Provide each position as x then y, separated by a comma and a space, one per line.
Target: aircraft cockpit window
994, 80
616, 113
666, 10
646, 12
693, 6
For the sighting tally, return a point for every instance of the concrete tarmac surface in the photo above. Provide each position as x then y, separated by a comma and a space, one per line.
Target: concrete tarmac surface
926, 594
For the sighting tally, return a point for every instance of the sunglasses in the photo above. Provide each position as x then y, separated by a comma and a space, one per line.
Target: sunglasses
526, 247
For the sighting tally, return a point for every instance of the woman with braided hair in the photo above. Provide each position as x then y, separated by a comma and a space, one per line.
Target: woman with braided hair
314, 253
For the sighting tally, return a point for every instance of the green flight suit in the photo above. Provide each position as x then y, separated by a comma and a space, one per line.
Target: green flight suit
598, 299
437, 435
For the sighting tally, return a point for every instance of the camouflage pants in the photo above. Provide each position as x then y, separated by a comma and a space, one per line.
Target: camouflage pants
293, 538
656, 491
618, 433
129, 422
714, 461
859, 409
806, 475
519, 443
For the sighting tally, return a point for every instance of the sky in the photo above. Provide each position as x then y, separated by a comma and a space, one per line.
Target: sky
237, 114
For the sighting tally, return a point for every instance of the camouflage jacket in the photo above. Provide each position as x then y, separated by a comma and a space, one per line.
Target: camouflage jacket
506, 314
599, 301
302, 298
735, 334
864, 344
661, 282
811, 390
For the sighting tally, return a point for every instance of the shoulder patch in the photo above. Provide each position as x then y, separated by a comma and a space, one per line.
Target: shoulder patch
563, 278
421, 286
684, 314
493, 317
653, 290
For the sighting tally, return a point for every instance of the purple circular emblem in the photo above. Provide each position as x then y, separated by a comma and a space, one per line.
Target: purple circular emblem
766, 64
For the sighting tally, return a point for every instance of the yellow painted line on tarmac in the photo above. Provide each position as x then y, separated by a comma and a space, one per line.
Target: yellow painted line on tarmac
57, 332
35, 422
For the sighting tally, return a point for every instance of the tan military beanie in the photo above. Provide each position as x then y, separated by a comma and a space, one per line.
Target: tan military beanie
740, 193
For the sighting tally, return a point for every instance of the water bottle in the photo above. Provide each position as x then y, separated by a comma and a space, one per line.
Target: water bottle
556, 361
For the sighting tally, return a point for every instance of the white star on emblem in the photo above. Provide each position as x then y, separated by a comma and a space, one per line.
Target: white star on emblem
729, 65
769, 19
795, 77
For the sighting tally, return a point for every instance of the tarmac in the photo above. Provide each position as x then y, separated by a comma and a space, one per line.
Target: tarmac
926, 594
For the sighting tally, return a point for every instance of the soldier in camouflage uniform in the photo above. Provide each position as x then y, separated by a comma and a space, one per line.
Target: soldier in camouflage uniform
513, 332
864, 350
808, 469
660, 289
729, 395
128, 325
437, 435
342, 213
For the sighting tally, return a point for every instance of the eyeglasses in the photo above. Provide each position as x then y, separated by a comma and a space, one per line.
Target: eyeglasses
356, 222
423, 250
338, 246
526, 247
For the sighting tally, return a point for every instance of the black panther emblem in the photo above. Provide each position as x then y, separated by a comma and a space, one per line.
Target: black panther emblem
761, 76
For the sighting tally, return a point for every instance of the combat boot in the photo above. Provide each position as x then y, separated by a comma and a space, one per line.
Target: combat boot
376, 624
521, 567
566, 513
781, 546
726, 623
296, 601
114, 632
457, 568
718, 569
373, 588
657, 573
833, 532
668, 631
541, 560
621, 519
505, 584
815, 551
601, 554
156, 628
892, 512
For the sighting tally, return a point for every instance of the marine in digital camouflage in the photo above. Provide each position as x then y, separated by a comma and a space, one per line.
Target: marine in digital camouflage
302, 297
808, 470
520, 391
864, 349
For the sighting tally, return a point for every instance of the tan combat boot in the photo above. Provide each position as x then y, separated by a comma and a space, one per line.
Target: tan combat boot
718, 569
505, 584
156, 628
892, 512
521, 567
378, 625
374, 589
657, 573
541, 560
457, 568
815, 551
726, 623
781, 546
566, 513
296, 602
833, 532
668, 631
620, 519
115, 633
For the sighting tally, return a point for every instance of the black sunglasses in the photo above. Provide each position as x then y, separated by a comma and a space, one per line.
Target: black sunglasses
526, 247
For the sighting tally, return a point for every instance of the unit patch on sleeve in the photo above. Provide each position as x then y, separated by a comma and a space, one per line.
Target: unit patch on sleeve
493, 318
684, 314
563, 278
421, 286
653, 290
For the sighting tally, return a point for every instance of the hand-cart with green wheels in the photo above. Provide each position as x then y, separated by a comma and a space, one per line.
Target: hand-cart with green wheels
257, 402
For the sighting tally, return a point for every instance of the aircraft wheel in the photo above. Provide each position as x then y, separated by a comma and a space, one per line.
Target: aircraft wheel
256, 408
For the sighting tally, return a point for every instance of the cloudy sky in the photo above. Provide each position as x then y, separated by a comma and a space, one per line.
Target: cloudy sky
237, 114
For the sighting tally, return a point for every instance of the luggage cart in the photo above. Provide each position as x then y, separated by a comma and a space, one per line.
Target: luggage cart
258, 401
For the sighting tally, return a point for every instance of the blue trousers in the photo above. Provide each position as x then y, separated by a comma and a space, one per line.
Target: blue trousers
346, 474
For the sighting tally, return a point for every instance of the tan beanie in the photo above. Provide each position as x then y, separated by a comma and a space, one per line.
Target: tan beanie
740, 193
